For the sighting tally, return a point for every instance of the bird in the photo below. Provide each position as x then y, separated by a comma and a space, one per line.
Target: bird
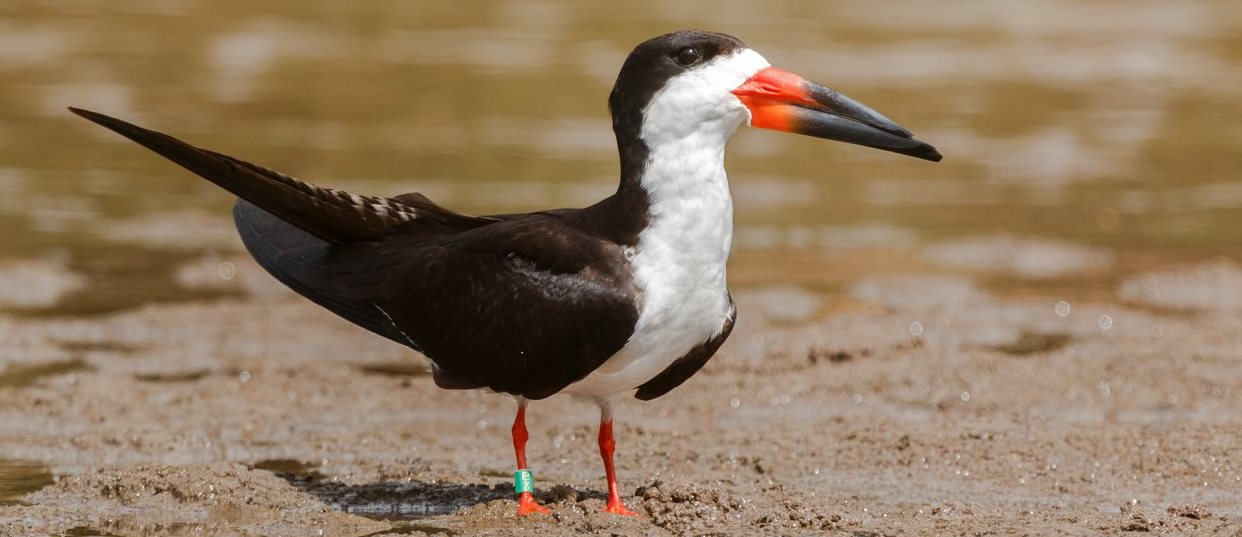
627, 296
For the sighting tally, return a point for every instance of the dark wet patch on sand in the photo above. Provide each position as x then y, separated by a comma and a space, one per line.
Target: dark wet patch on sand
20, 477
414, 529
84, 531
1029, 343
834, 356
99, 346
396, 369
18, 376
190, 376
291, 467
492, 472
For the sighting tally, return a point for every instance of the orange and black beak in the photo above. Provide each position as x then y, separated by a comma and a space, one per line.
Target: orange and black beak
783, 101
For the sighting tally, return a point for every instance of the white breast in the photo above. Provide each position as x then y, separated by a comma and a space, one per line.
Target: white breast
679, 262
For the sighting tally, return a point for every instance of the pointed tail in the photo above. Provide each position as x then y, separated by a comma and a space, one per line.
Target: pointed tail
334, 216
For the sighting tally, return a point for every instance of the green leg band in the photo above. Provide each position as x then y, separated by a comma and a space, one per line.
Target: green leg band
523, 481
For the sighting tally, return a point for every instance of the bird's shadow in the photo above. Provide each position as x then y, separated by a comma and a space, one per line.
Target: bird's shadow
406, 500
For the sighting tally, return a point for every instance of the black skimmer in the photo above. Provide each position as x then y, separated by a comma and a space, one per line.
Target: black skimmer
626, 296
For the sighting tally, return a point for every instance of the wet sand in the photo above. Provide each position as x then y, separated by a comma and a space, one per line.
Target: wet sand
904, 404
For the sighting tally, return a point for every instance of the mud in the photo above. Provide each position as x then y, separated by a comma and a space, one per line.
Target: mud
903, 405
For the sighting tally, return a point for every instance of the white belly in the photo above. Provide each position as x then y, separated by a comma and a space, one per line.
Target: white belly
679, 264
674, 322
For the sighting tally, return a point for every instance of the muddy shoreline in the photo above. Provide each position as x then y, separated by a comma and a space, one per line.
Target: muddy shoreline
903, 405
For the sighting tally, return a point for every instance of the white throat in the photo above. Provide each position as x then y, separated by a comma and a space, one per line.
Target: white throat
690, 227
679, 262
690, 213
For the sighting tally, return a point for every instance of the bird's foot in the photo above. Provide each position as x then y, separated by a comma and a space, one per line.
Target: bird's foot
528, 506
617, 508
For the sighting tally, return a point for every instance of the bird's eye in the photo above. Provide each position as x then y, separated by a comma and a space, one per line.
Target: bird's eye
687, 56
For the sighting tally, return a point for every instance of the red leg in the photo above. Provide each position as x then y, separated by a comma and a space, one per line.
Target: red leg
526, 502
607, 444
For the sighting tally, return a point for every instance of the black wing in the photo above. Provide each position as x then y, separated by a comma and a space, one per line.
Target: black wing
299, 260
525, 306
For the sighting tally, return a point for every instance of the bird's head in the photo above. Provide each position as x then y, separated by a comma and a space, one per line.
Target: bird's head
687, 83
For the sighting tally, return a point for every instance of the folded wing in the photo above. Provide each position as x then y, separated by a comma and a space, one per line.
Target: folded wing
524, 304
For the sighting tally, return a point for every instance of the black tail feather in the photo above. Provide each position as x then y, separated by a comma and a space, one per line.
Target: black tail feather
332, 215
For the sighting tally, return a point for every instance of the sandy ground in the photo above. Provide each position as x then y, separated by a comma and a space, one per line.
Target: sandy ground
903, 405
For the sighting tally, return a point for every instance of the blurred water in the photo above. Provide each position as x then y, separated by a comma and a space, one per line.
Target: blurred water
1116, 125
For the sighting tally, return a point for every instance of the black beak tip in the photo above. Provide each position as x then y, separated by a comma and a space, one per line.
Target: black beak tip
914, 148
927, 152
93, 116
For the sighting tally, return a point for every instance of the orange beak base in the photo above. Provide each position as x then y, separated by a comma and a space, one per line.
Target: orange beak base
783, 101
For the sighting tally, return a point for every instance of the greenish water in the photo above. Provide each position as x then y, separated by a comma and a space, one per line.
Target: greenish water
1112, 124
